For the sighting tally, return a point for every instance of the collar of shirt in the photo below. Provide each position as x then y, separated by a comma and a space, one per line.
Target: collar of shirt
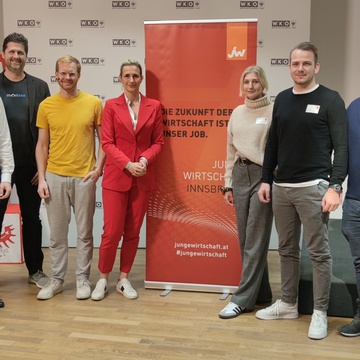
305, 92
131, 111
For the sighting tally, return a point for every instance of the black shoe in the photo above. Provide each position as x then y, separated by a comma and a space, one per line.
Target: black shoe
352, 329
263, 302
2, 304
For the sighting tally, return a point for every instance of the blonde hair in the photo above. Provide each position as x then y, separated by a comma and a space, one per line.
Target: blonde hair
130, 62
261, 75
68, 59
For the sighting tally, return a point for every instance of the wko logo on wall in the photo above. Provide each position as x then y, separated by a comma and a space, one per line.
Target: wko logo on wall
123, 42
60, 4
53, 79
92, 61
187, 4
61, 42
283, 24
252, 4
102, 98
92, 23
32, 60
280, 62
123, 4
28, 23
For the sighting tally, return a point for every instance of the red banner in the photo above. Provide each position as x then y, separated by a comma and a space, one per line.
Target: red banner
2, 63
194, 69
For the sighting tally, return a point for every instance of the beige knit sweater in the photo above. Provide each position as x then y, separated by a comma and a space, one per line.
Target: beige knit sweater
247, 133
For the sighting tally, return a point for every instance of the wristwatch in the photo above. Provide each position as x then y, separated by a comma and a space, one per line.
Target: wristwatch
225, 189
336, 187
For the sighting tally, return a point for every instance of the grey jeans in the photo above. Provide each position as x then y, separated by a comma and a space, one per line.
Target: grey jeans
293, 207
254, 222
66, 193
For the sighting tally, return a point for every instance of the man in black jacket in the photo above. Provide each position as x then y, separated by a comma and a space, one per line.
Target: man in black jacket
21, 94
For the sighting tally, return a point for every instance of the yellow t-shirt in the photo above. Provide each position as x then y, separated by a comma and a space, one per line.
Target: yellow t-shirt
71, 124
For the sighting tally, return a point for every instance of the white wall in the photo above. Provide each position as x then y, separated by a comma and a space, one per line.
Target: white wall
331, 24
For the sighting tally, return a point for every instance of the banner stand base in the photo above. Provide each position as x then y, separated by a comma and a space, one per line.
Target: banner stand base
165, 293
224, 296
168, 287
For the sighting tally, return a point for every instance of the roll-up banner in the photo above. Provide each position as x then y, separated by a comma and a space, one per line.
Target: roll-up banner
193, 68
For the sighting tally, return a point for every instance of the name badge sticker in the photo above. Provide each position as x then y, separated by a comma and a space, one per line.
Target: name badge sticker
262, 121
313, 109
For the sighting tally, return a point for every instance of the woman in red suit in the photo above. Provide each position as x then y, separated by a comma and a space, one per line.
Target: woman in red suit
132, 138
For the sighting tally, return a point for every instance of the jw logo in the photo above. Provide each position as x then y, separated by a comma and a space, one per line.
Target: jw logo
53, 79
123, 42
252, 4
283, 24
235, 53
123, 4
60, 4
116, 80
61, 42
188, 4
29, 23
34, 60
272, 98
92, 61
92, 23
280, 62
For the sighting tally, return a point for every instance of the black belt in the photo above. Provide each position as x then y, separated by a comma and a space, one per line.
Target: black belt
244, 161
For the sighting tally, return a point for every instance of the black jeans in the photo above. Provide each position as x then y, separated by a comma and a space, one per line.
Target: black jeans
29, 201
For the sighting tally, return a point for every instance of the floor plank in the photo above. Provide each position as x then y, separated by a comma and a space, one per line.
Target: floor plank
181, 325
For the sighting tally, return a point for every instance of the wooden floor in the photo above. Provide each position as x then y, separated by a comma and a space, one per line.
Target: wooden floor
181, 325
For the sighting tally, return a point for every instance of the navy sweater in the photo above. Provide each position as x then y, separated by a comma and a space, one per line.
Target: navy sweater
353, 189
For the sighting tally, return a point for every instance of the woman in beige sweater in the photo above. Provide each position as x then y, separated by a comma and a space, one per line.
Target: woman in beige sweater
247, 134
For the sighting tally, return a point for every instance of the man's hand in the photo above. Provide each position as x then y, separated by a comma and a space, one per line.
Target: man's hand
35, 179
331, 200
94, 175
5, 190
264, 193
43, 189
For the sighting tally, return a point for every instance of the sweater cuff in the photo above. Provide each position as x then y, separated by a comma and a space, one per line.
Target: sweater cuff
6, 177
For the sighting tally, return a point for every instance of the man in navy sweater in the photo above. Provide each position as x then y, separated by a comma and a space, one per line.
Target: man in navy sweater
309, 125
351, 208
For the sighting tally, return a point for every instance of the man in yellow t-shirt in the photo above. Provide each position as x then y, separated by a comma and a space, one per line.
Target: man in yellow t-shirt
65, 156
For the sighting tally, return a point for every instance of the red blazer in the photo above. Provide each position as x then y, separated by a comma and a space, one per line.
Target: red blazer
122, 144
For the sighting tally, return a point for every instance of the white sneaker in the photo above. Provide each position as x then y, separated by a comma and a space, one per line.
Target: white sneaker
100, 290
124, 287
83, 288
318, 326
53, 287
230, 311
278, 310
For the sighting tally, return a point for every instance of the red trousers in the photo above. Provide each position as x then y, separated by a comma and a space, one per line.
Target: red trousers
123, 216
